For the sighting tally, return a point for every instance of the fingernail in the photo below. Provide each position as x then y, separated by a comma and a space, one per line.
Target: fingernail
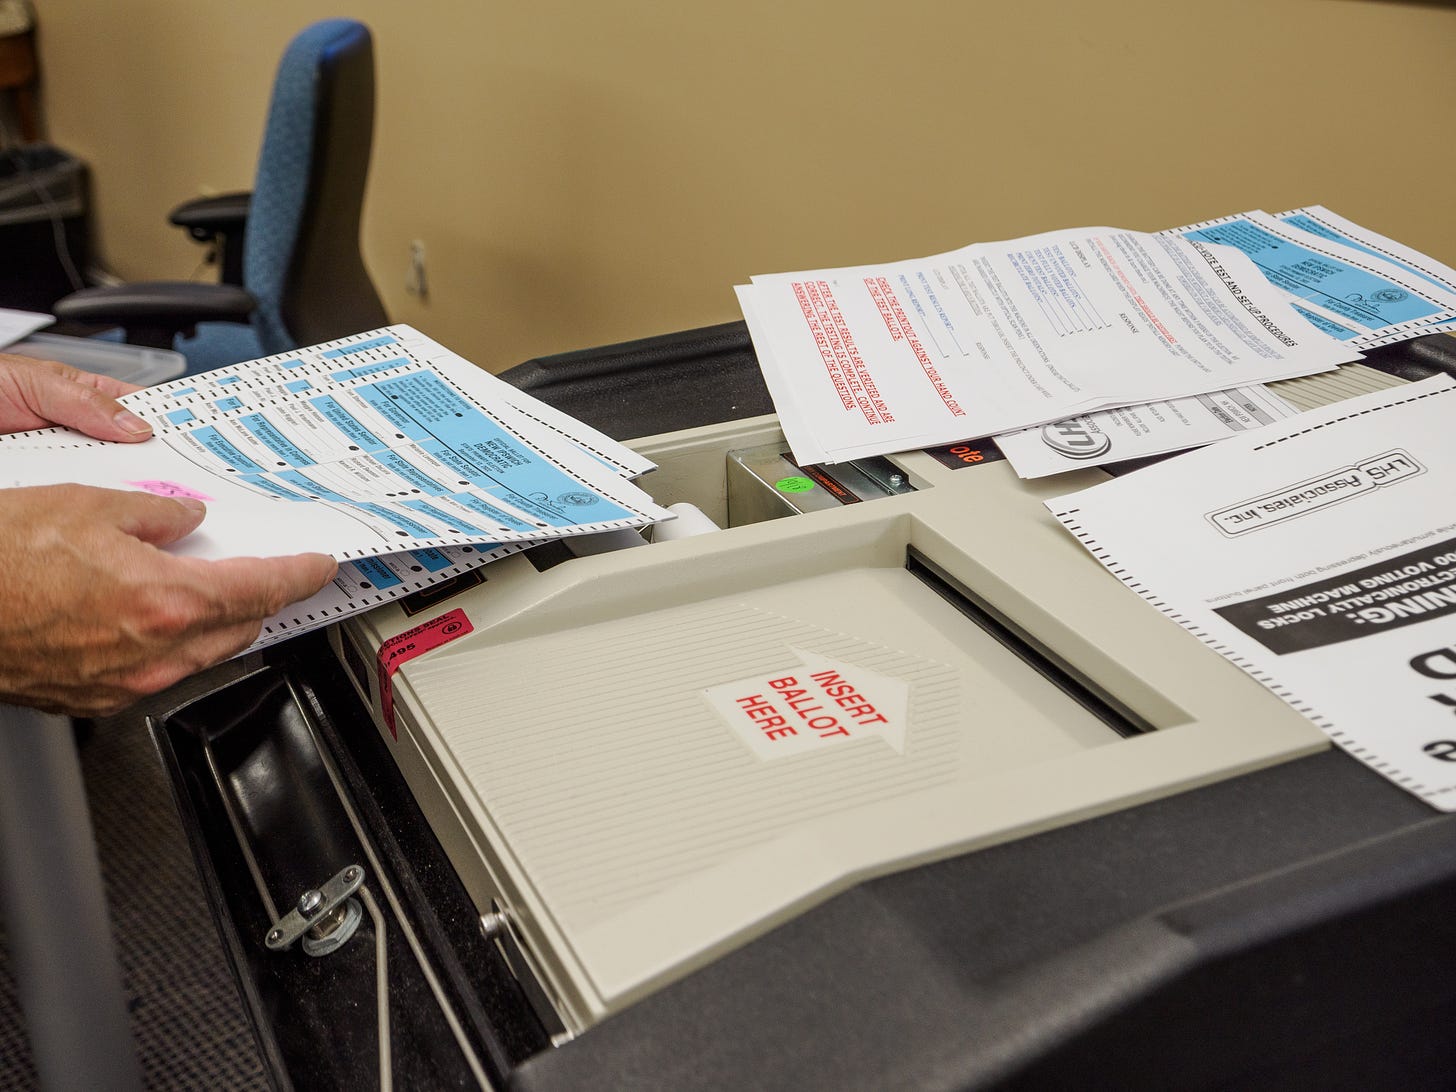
192, 504
130, 422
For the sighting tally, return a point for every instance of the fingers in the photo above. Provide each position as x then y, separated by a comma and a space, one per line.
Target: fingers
242, 587
253, 587
243, 593
85, 516
106, 384
35, 393
64, 401
257, 587
159, 521
98, 616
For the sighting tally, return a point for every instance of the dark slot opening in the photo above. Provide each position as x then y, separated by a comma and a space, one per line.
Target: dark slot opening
1077, 686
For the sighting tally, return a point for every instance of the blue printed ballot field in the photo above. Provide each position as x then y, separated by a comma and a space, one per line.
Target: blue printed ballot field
386, 450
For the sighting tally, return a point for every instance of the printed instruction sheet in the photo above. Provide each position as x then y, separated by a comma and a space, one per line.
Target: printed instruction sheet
1350, 282
1132, 432
1319, 555
402, 460
996, 337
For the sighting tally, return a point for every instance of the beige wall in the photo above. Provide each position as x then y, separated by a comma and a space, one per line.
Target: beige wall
583, 172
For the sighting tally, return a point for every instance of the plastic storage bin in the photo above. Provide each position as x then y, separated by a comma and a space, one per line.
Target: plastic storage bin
129, 363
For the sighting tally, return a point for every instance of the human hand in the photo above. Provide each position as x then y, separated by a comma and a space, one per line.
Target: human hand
94, 615
40, 393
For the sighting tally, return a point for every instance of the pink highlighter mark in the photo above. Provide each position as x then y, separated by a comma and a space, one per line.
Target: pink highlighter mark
170, 489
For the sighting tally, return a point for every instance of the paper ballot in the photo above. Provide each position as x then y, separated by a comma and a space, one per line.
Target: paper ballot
1320, 221
1319, 555
1352, 284
386, 450
996, 337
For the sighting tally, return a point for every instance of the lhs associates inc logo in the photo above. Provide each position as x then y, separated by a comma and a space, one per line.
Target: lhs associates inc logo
1076, 438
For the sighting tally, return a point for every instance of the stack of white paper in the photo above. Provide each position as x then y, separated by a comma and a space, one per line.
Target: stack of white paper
994, 337
1068, 329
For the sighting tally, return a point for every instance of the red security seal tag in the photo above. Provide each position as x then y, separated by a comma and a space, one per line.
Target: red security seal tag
409, 644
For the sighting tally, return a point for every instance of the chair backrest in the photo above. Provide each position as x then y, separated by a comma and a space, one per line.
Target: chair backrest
301, 257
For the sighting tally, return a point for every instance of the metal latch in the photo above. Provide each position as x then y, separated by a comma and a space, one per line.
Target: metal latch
325, 916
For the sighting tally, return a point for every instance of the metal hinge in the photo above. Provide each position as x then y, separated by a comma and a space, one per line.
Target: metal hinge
325, 916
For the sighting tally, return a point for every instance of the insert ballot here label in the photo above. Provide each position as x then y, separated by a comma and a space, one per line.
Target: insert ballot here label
812, 705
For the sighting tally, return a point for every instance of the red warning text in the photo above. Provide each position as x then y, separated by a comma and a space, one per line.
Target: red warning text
822, 704
815, 704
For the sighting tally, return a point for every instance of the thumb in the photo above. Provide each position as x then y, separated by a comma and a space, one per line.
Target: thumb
62, 400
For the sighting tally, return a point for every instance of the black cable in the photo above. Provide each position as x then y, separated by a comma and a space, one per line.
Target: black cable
53, 212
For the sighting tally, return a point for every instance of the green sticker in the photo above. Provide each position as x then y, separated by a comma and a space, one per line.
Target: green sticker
794, 484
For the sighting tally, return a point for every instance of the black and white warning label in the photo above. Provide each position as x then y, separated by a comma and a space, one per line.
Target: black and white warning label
1399, 591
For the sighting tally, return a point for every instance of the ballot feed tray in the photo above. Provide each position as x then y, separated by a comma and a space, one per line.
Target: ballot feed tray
640, 760
674, 779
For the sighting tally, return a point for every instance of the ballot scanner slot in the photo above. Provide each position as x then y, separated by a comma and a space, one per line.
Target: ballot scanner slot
1071, 682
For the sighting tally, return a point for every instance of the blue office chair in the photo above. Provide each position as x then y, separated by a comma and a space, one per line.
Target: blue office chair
292, 273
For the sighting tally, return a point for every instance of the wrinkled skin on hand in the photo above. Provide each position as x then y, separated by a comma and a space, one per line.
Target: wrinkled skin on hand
94, 614
40, 393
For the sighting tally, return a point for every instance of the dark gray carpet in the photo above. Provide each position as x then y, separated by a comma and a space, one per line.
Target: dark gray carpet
186, 1015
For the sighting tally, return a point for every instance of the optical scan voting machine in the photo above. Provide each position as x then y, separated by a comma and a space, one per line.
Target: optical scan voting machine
646, 753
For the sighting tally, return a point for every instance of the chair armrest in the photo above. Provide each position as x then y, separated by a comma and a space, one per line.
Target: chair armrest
154, 312
221, 221
204, 217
